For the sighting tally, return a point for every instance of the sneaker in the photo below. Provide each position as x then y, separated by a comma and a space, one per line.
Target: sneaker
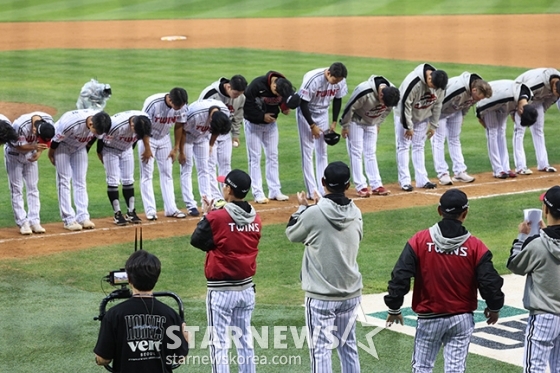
464, 177
502, 175
25, 229
73, 226
261, 200
445, 180
381, 191
525, 171
119, 219
87, 224
407, 188
430, 185
177, 214
511, 174
548, 169
132, 217
281, 197
151, 217
193, 211
364, 193
37, 228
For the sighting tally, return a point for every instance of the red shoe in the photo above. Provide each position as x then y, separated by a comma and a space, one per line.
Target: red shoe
364, 192
512, 173
380, 191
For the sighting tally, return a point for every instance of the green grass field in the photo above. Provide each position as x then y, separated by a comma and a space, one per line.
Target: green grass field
49, 302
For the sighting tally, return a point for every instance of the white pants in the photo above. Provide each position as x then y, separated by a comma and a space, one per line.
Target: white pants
71, 167
542, 344
220, 157
537, 132
496, 140
403, 157
22, 173
362, 144
200, 152
448, 128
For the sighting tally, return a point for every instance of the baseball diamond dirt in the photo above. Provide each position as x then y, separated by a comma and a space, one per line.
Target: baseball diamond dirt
486, 39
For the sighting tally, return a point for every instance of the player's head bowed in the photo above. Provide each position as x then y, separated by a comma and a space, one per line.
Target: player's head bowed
220, 124
286, 90
439, 79
178, 97
7, 132
391, 96
142, 126
101, 123
45, 130
529, 116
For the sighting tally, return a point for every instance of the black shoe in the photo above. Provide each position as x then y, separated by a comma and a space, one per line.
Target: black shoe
193, 211
430, 185
133, 218
119, 219
407, 188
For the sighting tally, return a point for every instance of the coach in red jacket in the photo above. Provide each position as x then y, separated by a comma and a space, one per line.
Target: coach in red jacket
449, 265
230, 237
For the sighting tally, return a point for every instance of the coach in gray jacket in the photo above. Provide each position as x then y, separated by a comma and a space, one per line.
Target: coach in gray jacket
331, 231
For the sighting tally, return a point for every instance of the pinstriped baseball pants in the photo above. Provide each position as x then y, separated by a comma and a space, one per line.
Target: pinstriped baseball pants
453, 332
362, 144
542, 344
326, 322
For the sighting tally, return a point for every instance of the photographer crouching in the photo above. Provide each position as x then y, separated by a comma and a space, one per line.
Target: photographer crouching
141, 334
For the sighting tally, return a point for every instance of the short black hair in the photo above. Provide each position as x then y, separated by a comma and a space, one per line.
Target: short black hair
143, 270
220, 122
7, 132
338, 70
439, 79
142, 126
391, 96
45, 130
101, 122
284, 87
238, 83
179, 96
529, 116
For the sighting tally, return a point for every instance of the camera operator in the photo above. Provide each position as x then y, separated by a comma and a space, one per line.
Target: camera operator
135, 334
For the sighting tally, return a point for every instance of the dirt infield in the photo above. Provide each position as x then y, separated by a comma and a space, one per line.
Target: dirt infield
492, 40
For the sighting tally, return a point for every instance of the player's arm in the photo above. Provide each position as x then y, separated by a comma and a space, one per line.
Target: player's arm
399, 285
90, 143
252, 111
298, 229
202, 237
237, 120
147, 154
522, 259
304, 107
436, 111
106, 344
490, 286
52, 150
336, 106
101, 361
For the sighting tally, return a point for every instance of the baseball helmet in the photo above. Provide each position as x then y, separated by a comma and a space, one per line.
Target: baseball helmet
331, 137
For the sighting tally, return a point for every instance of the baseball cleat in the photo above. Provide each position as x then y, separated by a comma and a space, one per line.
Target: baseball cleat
464, 177
501, 175
364, 193
87, 224
151, 217
37, 228
25, 229
132, 217
430, 185
524, 171
73, 226
262, 200
119, 219
445, 180
178, 214
380, 191
193, 211
511, 174
548, 169
280, 197
407, 188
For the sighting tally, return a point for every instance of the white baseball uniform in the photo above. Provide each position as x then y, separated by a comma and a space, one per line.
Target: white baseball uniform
92, 96
163, 119
22, 169
316, 90
197, 146
362, 116
494, 112
418, 108
538, 80
118, 158
456, 104
71, 162
221, 152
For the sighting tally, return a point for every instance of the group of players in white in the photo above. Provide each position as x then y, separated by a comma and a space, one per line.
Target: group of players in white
427, 105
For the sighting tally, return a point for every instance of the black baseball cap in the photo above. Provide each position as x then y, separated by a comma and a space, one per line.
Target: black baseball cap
45, 130
552, 198
239, 181
454, 201
337, 176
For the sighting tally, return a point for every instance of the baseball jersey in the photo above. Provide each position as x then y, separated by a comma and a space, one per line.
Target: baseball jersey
259, 99
364, 106
163, 116
505, 97
198, 119
92, 96
235, 105
418, 101
316, 90
24, 129
121, 136
458, 95
71, 129
538, 80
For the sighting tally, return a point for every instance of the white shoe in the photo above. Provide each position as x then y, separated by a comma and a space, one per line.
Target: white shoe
261, 200
177, 214
464, 177
74, 227
37, 228
25, 229
151, 217
281, 197
445, 180
87, 224
524, 171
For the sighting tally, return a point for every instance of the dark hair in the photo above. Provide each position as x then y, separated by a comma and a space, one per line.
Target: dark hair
142, 126
101, 122
238, 83
7, 132
391, 96
284, 87
439, 79
45, 130
220, 122
338, 70
178, 96
529, 116
143, 270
